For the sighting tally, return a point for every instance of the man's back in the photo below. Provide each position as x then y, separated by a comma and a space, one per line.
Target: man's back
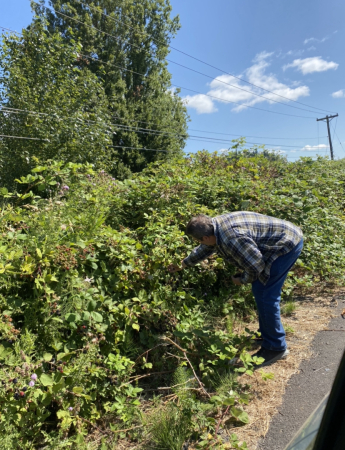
269, 233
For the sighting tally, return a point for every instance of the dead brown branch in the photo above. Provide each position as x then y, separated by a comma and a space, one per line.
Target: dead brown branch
196, 377
129, 429
147, 351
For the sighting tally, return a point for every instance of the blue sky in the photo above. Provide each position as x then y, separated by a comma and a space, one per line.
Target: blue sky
291, 48
294, 48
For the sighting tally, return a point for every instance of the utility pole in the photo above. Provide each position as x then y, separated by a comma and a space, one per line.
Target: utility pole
328, 119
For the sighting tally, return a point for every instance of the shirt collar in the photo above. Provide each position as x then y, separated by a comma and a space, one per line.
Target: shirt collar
216, 231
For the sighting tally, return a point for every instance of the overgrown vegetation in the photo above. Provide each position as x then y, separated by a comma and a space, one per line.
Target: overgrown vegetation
100, 344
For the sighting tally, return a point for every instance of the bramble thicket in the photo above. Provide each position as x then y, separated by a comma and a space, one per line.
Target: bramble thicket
101, 347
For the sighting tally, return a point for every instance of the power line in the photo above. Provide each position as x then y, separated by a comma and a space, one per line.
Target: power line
8, 110
203, 62
144, 130
149, 131
192, 90
113, 146
23, 137
14, 110
200, 73
8, 29
219, 141
335, 126
197, 92
239, 88
136, 148
338, 137
207, 139
241, 135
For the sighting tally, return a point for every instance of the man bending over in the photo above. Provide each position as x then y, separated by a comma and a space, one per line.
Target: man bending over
265, 249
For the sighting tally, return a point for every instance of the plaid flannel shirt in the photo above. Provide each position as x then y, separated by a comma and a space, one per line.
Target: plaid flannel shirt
250, 241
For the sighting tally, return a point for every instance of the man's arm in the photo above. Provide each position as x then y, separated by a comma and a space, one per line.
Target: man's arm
196, 256
199, 254
175, 268
247, 256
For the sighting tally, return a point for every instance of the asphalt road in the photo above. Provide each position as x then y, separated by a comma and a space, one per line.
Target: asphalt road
307, 388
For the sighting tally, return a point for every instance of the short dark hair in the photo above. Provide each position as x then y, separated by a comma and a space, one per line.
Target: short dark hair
200, 226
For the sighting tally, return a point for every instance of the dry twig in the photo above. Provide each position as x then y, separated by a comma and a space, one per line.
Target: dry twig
146, 352
129, 429
196, 377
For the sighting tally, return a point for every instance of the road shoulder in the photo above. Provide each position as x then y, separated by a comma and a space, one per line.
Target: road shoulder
280, 406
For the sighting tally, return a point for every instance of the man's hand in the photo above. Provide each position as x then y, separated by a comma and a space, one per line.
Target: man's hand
172, 268
237, 280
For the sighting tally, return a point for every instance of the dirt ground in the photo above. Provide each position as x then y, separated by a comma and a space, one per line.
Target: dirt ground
280, 406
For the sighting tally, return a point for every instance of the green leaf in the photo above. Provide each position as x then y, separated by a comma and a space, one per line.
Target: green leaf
240, 415
46, 380
57, 319
58, 387
47, 357
61, 414
229, 401
57, 346
4, 352
216, 399
78, 390
39, 253
49, 278
91, 305
39, 169
136, 326
47, 399
86, 316
72, 317
96, 316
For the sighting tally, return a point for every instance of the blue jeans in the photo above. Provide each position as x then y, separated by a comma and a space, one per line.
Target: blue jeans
267, 299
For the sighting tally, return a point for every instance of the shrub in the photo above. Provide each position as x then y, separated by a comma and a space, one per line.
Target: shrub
89, 311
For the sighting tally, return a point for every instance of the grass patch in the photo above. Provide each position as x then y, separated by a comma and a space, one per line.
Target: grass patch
288, 308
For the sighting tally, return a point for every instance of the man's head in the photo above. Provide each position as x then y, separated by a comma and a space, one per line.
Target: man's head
201, 228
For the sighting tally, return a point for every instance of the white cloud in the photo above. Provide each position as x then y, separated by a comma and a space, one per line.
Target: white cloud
257, 75
295, 53
229, 89
339, 94
262, 56
312, 39
171, 91
311, 48
201, 103
314, 148
313, 64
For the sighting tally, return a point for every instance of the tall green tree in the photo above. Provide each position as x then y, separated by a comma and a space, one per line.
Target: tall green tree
66, 110
133, 44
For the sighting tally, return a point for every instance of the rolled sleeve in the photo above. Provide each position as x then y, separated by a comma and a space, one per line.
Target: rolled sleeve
199, 254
